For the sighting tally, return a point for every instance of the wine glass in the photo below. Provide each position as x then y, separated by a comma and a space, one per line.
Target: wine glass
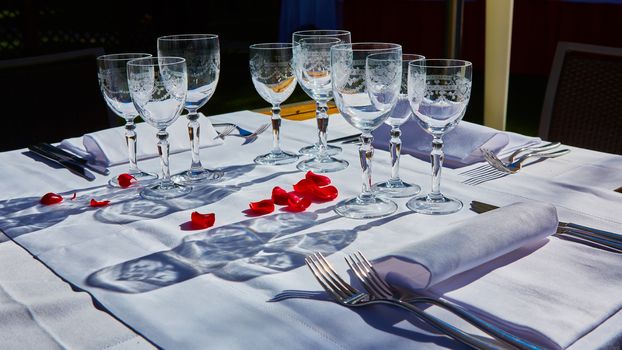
272, 71
202, 54
343, 36
366, 84
312, 60
112, 74
401, 113
439, 92
158, 86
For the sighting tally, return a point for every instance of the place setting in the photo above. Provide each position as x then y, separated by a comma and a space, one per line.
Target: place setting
284, 234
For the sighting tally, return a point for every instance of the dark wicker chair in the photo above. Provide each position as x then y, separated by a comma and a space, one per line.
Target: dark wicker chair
51, 97
583, 102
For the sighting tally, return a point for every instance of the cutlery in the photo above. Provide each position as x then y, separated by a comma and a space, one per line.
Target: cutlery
241, 131
346, 139
378, 288
96, 167
488, 168
611, 241
344, 294
72, 166
515, 166
249, 137
226, 132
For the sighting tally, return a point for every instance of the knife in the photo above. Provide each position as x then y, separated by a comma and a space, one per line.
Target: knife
72, 166
98, 168
345, 138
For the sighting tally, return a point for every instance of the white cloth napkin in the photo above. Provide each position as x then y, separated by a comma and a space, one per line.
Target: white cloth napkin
461, 145
109, 147
467, 244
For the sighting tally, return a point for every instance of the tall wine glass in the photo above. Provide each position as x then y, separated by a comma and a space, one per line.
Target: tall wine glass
202, 54
312, 60
158, 86
366, 85
272, 71
112, 74
321, 108
439, 92
401, 113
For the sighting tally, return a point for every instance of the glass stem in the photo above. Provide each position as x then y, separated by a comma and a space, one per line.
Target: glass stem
194, 131
130, 139
396, 150
436, 157
321, 114
366, 152
276, 129
163, 150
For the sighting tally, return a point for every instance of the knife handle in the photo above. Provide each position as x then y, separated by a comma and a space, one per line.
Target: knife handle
605, 234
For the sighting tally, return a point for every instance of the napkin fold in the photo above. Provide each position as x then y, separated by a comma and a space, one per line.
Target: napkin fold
461, 145
109, 147
467, 244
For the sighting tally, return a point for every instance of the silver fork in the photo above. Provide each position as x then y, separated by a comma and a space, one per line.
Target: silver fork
253, 136
226, 132
344, 294
378, 288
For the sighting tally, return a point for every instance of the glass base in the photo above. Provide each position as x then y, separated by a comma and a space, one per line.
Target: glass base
322, 165
203, 176
141, 176
396, 189
434, 205
277, 158
368, 208
159, 191
315, 148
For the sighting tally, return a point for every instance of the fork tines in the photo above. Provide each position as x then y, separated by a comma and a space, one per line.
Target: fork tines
328, 278
368, 276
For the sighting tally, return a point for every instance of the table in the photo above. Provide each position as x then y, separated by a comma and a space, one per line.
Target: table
77, 324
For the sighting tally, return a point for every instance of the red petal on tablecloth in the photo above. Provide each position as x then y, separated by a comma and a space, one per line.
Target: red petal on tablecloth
51, 198
95, 203
279, 196
265, 206
305, 187
319, 180
326, 193
201, 221
297, 203
126, 180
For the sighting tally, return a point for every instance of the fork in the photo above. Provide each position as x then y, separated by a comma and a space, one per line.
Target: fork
378, 288
228, 130
344, 294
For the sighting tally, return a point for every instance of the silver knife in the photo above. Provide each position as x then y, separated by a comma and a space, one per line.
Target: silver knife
72, 166
96, 167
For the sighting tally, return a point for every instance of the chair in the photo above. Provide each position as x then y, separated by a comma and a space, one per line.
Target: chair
583, 101
51, 97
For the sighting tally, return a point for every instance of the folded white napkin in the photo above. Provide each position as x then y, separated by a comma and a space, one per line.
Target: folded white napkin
461, 145
109, 147
467, 244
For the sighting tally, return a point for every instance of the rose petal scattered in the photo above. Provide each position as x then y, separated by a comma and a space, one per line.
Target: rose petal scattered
279, 196
51, 198
319, 180
126, 180
74, 196
297, 203
265, 206
95, 203
326, 193
305, 187
201, 221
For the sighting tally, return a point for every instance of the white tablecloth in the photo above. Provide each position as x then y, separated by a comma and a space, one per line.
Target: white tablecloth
136, 260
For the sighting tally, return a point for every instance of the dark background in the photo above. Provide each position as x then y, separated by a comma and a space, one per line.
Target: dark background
53, 101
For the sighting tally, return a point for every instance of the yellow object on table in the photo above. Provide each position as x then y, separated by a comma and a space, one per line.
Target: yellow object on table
299, 111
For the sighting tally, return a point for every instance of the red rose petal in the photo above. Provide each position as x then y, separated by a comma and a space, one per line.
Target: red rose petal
51, 198
126, 180
297, 203
319, 180
279, 196
95, 203
305, 187
327, 193
262, 207
200, 221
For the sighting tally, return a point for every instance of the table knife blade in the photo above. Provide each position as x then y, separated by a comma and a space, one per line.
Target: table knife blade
96, 167
70, 165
